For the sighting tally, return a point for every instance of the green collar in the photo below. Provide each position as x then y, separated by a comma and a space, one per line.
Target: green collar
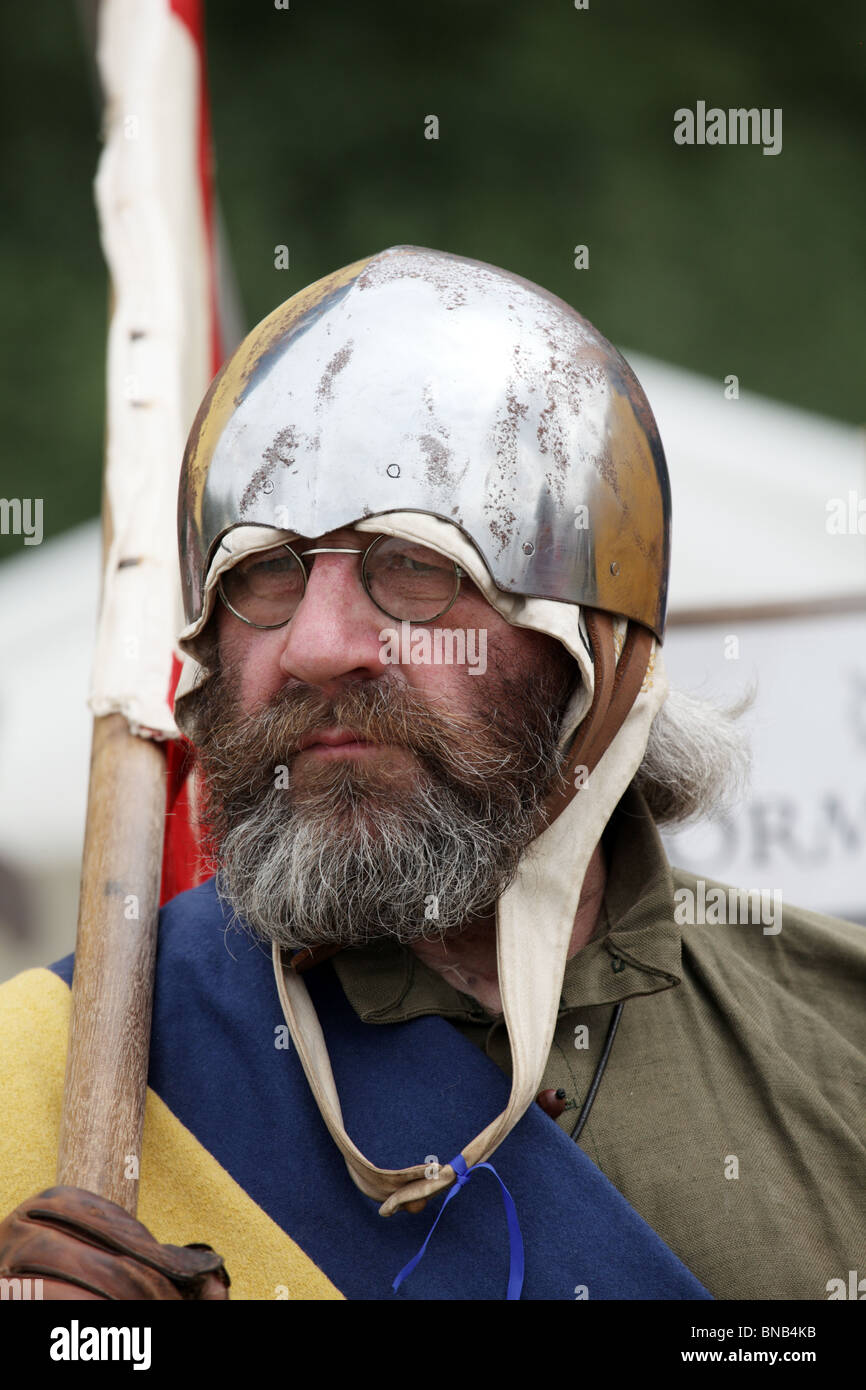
636, 948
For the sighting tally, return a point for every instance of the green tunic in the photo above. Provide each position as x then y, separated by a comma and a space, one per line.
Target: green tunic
730, 1113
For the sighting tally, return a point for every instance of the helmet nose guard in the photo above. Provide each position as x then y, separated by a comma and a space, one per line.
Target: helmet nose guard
415, 380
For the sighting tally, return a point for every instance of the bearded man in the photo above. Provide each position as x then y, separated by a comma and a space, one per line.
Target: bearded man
440, 950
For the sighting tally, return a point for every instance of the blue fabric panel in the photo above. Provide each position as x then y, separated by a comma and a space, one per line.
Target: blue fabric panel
408, 1090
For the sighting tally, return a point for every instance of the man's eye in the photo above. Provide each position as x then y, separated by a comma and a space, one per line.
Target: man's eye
271, 567
413, 565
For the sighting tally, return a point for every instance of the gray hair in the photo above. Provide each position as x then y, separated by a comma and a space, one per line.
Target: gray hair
698, 759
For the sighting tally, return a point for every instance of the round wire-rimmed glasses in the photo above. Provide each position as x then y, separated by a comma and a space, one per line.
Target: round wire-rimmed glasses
407, 582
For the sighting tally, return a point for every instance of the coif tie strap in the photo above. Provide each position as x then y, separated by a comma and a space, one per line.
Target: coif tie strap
515, 1272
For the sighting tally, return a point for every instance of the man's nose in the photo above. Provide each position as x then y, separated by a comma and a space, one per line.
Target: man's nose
333, 636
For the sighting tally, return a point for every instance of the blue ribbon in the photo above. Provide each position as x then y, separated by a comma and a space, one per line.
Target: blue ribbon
515, 1239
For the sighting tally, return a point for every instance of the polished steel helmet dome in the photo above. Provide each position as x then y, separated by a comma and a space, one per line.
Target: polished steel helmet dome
419, 381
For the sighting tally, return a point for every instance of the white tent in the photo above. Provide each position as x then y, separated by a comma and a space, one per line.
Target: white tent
48, 602
754, 485
768, 586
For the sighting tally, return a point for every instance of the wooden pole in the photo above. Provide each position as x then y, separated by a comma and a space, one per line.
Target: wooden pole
102, 1118
112, 991
139, 47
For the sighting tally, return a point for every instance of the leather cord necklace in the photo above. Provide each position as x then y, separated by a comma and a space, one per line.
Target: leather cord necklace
599, 1072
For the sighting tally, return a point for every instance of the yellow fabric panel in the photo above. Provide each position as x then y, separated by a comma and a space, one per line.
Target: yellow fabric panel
185, 1195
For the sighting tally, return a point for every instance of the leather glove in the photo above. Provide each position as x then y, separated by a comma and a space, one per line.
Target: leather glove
85, 1247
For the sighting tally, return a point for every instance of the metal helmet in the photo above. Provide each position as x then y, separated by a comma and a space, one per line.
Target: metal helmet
418, 381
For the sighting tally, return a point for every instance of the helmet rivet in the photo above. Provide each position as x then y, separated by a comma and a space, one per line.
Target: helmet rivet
614, 568
528, 548
267, 485
393, 470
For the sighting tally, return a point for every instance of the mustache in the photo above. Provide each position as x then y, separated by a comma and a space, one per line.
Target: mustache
481, 754
378, 712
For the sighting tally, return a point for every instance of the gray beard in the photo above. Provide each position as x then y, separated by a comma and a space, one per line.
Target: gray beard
353, 864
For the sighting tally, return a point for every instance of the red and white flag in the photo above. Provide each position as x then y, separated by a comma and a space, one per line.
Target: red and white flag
166, 340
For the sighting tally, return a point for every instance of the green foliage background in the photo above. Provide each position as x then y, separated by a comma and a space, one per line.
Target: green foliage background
556, 128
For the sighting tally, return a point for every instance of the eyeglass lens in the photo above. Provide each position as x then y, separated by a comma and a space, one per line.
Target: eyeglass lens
409, 582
